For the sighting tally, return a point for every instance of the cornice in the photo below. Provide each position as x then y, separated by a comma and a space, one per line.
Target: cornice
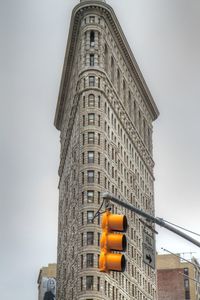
70, 52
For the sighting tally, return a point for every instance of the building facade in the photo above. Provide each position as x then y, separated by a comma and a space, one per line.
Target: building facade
105, 114
177, 278
47, 282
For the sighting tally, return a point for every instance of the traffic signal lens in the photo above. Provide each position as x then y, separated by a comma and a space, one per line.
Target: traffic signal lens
115, 222
113, 241
112, 261
117, 242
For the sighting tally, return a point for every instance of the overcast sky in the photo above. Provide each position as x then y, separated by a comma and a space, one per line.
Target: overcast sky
164, 36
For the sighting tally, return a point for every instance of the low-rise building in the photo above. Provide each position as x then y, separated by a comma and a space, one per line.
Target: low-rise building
177, 278
47, 282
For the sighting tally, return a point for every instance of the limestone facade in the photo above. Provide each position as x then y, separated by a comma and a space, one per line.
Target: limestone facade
104, 113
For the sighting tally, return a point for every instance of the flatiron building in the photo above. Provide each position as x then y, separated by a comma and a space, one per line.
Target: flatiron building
104, 114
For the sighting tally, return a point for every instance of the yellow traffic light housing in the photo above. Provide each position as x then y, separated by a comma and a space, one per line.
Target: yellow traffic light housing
112, 241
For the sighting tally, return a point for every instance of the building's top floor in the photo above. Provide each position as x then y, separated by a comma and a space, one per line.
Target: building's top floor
171, 261
49, 271
110, 21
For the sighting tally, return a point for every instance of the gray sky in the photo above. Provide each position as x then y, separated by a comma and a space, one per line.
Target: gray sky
165, 39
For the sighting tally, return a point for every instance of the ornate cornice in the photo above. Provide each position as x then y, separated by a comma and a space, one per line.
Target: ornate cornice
70, 52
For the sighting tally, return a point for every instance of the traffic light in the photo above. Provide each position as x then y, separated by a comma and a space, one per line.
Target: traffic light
111, 240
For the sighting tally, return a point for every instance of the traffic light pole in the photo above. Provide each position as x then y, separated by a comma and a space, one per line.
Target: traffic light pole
107, 197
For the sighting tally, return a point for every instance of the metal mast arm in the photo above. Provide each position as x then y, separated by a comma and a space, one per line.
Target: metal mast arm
159, 221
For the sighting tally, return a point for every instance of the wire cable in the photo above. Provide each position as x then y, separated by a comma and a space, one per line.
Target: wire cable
181, 227
98, 211
180, 257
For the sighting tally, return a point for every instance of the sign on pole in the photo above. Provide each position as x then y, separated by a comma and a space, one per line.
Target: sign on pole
148, 250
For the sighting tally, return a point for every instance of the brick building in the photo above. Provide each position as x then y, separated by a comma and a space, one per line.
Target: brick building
177, 279
105, 114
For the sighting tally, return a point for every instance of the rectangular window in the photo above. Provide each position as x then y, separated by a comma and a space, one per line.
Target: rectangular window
83, 120
82, 197
82, 177
82, 218
186, 283
99, 101
92, 19
81, 283
90, 137
90, 157
91, 100
83, 139
90, 238
91, 81
187, 295
90, 176
92, 60
89, 260
98, 241
89, 283
99, 197
99, 120
83, 158
99, 178
98, 283
90, 196
91, 119
81, 261
186, 271
90, 216
92, 38
99, 158
99, 138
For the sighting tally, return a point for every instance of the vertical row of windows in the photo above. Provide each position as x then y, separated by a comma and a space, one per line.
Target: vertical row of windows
129, 103
94, 37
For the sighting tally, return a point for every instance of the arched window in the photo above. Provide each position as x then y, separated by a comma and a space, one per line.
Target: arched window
92, 39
